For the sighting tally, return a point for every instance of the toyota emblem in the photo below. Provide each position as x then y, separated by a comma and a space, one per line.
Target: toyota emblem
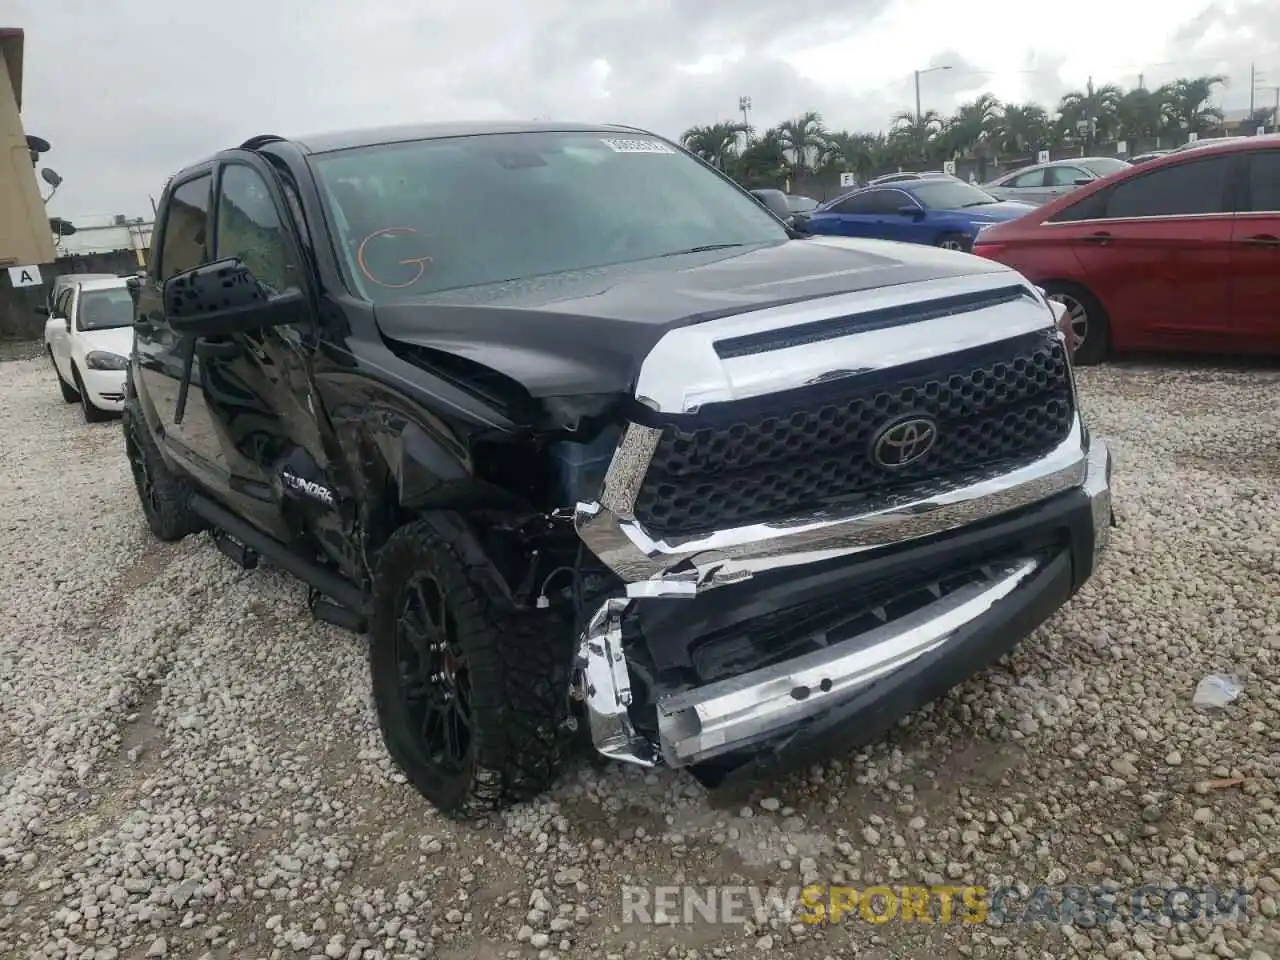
904, 441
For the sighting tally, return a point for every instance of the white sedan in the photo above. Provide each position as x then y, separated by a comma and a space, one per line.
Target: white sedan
89, 336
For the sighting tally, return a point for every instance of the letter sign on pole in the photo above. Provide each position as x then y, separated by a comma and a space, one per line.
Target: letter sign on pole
1122, 146
25, 276
1042, 156
949, 167
848, 180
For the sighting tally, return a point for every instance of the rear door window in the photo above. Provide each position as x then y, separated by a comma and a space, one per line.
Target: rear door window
1034, 178
1185, 189
862, 203
1264, 181
1064, 176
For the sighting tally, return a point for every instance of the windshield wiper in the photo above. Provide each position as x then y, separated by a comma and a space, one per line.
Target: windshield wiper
978, 203
703, 249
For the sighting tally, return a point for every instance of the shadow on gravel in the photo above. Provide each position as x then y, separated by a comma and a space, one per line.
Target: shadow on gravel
20, 349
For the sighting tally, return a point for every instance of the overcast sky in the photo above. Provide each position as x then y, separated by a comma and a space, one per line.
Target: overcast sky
127, 91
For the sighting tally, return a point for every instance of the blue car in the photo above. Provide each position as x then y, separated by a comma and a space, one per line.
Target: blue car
941, 212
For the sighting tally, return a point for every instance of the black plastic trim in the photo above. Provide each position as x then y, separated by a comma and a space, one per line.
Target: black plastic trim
327, 582
833, 327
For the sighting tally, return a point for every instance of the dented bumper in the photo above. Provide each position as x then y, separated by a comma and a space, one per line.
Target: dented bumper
1034, 558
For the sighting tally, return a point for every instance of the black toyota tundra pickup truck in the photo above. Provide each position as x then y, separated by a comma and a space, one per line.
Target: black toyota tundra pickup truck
593, 446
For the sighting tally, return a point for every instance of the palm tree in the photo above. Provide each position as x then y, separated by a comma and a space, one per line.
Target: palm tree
974, 124
716, 144
1024, 127
918, 131
850, 152
1093, 111
1140, 115
764, 162
1186, 103
803, 139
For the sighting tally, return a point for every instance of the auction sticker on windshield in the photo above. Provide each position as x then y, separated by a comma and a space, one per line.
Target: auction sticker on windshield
636, 146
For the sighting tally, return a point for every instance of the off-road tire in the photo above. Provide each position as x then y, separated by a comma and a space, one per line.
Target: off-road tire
1097, 342
167, 506
518, 666
69, 393
91, 413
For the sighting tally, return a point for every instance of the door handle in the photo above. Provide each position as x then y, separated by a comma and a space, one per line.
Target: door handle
1098, 238
1263, 240
217, 349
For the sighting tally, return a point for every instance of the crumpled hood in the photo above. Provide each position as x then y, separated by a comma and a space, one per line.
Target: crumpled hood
588, 332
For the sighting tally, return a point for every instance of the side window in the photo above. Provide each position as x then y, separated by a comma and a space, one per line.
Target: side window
1187, 188
1064, 176
186, 227
888, 201
855, 204
1033, 179
62, 303
249, 227
1092, 207
1264, 181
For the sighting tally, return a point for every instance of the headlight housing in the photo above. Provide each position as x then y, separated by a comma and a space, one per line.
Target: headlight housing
102, 360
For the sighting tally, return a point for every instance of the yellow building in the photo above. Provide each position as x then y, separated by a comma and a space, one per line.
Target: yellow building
25, 237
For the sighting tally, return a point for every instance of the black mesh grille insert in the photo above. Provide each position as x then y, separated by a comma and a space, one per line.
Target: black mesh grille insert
775, 457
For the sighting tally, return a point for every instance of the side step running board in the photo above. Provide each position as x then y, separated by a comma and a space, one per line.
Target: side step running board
341, 593
245, 557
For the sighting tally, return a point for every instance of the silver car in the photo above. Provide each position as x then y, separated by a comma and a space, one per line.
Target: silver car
1208, 142
1047, 181
910, 175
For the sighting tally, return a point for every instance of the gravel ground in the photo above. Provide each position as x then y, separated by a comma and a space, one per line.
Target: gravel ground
190, 767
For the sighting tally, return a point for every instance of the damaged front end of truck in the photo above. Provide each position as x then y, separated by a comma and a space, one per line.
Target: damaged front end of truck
822, 516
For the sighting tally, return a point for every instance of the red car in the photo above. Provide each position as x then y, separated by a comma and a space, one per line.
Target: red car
1181, 253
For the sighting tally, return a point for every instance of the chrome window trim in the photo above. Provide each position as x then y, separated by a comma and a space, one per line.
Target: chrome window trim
1161, 216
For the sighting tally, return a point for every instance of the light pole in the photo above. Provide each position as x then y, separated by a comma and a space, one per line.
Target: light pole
744, 104
918, 73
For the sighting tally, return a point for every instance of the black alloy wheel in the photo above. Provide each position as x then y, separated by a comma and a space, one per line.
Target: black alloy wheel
435, 684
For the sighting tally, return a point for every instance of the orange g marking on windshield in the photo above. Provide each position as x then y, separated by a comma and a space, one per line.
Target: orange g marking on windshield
419, 262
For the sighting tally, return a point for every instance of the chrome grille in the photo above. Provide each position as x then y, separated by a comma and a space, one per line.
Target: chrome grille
774, 457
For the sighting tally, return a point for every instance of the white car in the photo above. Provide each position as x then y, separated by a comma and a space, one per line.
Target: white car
89, 336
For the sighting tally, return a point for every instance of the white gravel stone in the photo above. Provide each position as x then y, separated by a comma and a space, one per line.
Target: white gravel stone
188, 762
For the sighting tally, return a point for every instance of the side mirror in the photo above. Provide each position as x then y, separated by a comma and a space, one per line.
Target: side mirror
225, 297
776, 201
42, 311
133, 283
1082, 181
911, 211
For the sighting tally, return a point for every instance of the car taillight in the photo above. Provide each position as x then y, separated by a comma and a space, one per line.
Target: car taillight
991, 251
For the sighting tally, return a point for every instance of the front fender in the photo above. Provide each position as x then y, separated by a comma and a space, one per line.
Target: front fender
425, 457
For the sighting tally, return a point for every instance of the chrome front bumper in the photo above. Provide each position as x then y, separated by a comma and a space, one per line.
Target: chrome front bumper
699, 724
649, 566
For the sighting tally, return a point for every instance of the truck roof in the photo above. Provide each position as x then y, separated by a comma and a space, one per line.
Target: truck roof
371, 136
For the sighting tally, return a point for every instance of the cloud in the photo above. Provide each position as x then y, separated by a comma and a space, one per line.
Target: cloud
128, 91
